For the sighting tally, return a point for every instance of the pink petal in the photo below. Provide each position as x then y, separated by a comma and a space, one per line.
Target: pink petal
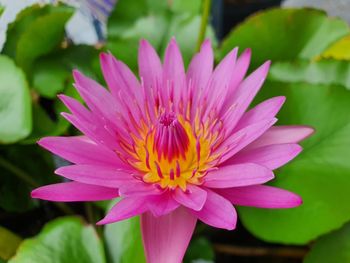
96, 175
217, 212
76, 108
173, 73
243, 137
270, 156
244, 95
262, 196
74, 192
265, 110
81, 150
139, 188
239, 72
193, 198
199, 72
166, 238
96, 97
283, 134
124, 209
238, 175
95, 132
162, 204
220, 82
150, 66
119, 77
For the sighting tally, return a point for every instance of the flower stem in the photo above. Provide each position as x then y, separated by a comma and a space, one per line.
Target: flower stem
204, 22
25, 177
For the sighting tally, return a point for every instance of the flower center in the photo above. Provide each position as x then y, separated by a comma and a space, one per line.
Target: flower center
173, 152
170, 138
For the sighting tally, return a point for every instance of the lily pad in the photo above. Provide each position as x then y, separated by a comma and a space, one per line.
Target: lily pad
317, 95
63, 240
15, 103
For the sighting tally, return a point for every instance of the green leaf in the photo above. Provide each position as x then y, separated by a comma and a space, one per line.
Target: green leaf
157, 22
9, 243
53, 74
63, 240
41, 36
200, 249
185, 28
15, 109
333, 247
19, 26
328, 72
339, 50
124, 241
50, 77
185, 6
295, 39
124, 15
125, 47
285, 34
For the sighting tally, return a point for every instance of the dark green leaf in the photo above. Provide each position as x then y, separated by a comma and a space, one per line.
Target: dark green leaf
333, 247
21, 169
15, 109
64, 240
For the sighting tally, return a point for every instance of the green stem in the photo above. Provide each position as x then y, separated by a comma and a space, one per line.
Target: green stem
89, 213
25, 177
93, 217
204, 22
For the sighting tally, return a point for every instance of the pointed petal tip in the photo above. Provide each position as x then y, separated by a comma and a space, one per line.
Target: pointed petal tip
144, 43
35, 194
310, 131
76, 73
247, 53
281, 99
206, 45
102, 222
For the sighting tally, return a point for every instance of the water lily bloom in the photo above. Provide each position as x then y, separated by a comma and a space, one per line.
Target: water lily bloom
175, 146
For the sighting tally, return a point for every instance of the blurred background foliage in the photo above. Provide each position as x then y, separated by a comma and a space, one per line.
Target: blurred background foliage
310, 55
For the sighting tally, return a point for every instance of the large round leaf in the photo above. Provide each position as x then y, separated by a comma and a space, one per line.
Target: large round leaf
15, 108
295, 40
321, 174
286, 34
334, 247
63, 240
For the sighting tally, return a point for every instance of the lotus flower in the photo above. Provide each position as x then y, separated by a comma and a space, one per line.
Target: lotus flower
175, 146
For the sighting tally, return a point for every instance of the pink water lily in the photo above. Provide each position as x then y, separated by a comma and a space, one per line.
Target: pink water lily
176, 146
